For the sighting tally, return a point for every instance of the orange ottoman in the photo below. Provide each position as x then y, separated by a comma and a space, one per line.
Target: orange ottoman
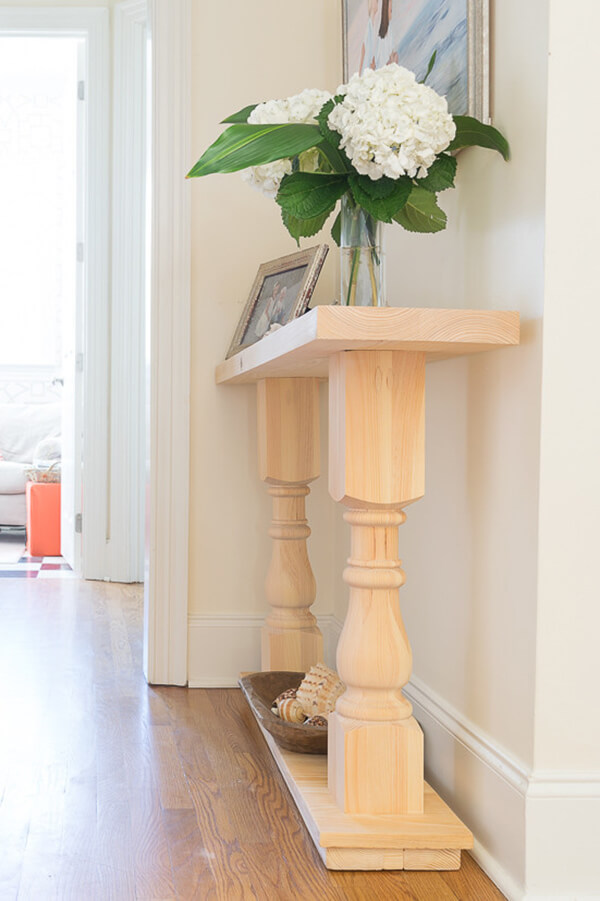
43, 519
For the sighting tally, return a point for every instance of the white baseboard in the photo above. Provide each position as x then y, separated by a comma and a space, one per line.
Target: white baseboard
481, 781
537, 833
563, 838
535, 829
220, 647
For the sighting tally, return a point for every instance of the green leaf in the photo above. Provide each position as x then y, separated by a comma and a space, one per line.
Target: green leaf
430, 66
421, 213
241, 146
337, 159
391, 200
330, 135
336, 229
379, 187
304, 228
308, 194
440, 174
472, 133
241, 116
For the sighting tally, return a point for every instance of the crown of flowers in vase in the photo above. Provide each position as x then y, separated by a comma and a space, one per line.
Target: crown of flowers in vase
385, 141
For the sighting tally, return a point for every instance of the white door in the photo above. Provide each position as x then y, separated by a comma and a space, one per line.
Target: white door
72, 343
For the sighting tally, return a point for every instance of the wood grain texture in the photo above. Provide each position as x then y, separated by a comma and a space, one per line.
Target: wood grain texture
288, 430
303, 346
80, 722
377, 428
376, 467
290, 637
288, 457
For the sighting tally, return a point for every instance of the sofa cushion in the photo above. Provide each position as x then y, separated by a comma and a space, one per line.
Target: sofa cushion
23, 426
13, 510
12, 477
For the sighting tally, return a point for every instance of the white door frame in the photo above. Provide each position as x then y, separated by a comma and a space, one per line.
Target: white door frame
166, 607
127, 477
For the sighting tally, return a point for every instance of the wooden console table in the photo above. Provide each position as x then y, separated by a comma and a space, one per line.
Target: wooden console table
366, 805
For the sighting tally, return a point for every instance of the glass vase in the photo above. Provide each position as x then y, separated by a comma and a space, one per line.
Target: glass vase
361, 263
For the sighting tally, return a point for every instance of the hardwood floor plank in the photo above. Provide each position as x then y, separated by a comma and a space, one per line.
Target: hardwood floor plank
172, 784
467, 882
192, 875
16, 807
149, 845
219, 842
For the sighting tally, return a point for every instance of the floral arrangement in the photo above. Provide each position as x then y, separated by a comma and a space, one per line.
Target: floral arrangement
383, 145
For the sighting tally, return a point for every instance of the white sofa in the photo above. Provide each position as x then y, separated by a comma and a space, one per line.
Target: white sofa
22, 427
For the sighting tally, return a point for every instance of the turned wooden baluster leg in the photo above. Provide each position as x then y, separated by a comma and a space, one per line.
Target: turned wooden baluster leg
288, 445
377, 415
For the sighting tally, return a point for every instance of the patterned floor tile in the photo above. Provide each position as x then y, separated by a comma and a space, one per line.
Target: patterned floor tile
56, 574
37, 567
19, 574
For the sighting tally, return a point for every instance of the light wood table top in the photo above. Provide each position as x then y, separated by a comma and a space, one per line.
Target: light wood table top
303, 346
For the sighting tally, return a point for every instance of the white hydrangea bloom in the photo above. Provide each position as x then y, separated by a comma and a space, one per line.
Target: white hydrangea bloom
267, 178
305, 108
391, 125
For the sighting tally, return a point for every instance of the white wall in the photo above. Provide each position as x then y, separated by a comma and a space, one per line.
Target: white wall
564, 804
234, 229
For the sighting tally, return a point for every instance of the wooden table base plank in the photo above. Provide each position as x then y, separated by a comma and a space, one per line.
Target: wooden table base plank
431, 841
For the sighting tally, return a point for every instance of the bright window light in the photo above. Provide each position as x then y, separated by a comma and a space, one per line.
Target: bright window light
38, 177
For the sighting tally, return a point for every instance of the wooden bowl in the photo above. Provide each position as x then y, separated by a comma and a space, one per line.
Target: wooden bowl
260, 690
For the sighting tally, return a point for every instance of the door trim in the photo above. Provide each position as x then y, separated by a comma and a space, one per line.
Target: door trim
127, 477
166, 585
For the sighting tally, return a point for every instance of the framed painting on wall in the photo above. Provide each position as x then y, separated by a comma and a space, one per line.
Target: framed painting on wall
377, 32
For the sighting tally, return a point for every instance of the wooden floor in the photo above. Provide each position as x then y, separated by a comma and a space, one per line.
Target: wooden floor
113, 790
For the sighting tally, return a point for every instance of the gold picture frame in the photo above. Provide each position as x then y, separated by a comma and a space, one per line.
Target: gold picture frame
281, 292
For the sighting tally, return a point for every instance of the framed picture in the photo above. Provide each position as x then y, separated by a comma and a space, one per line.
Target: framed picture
281, 292
377, 32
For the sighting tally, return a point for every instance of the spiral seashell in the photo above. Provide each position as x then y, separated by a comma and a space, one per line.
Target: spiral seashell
315, 721
291, 711
319, 690
275, 709
288, 693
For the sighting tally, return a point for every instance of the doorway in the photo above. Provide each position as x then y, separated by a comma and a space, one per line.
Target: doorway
78, 267
159, 33
41, 154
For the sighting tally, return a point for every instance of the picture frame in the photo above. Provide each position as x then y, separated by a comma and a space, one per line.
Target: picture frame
281, 292
457, 29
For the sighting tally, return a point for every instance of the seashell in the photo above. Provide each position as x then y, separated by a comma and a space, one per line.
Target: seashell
315, 721
319, 690
291, 711
275, 709
288, 693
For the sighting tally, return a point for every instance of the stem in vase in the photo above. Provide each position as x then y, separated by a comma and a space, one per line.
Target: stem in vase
351, 298
374, 297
